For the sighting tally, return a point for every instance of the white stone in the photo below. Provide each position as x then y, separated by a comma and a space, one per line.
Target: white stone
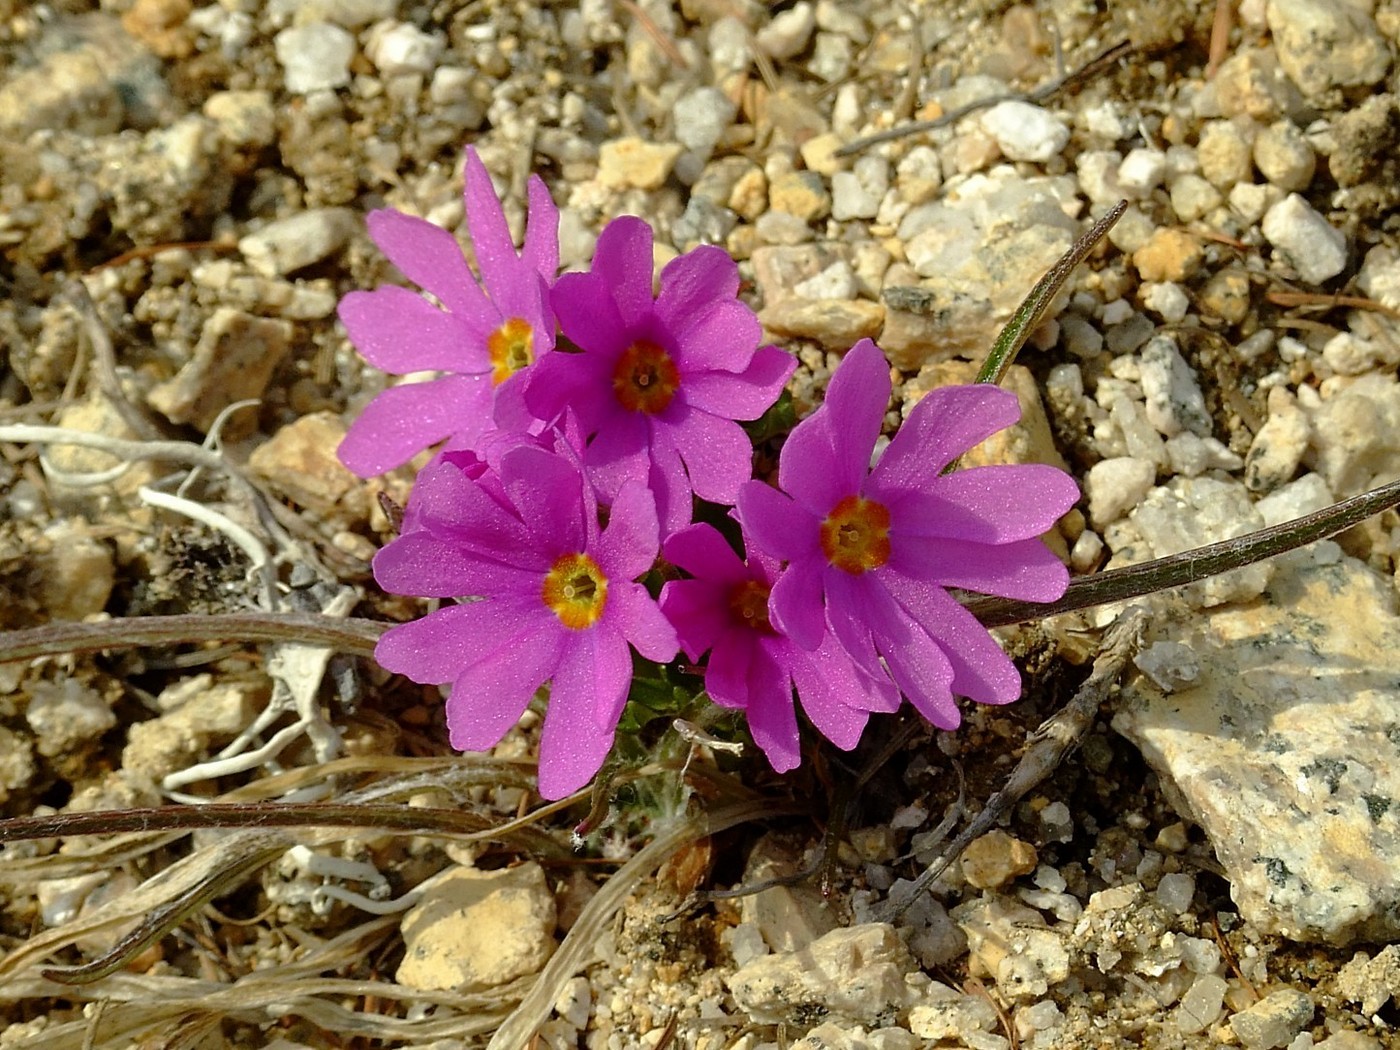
1193, 196
1379, 277
857, 194
1189, 454
1284, 156
1114, 485
1306, 240
1278, 445
1166, 299
398, 48
287, 245
314, 57
1098, 175
1170, 665
66, 715
789, 31
1142, 171
1174, 399
701, 117
855, 973
837, 281
1323, 45
1200, 1007
1274, 1020
1025, 132
1275, 754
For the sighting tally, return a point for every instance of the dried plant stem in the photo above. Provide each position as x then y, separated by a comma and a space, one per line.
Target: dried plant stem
386, 819
1190, 566
345, 635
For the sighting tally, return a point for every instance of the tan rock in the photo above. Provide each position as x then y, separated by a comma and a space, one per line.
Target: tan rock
1169, 255
995, 859
233, 361
97, 415
478, 929
633, 163
300, 463
836, 324
800, 193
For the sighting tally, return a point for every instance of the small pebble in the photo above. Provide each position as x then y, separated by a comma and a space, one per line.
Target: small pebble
314, 57
1025, 132
1305, 240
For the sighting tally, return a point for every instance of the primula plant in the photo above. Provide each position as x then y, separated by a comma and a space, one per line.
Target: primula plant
592, 426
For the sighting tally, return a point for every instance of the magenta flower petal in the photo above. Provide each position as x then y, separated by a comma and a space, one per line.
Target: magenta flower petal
589, 318
987, 504
747, 394
399, 332
403, 420
630, 380
647, 628
513, 529
717, 453
727, 670
510, 675
540, 252
487, 339
776, 524
622, 263
856, 399
693, 282
719, 337
430, 257
618, 454
981, 671
701, 551
828, 687
773, 723
569, 382
944, 424
698, 609
667, 480
796, 607
585, 702
549, 495
627, 547
1026, 570
435, 649
448, 568
875, 550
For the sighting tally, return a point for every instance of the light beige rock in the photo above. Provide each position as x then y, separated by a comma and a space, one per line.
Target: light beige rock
855, 973
1276, 752
233, 361
300, 463
478, 929
995, 859
835, 324
633, 163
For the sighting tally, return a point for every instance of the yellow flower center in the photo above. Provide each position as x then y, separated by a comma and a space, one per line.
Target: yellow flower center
749, 602
511, 347
576, 590
856, 535
645, 378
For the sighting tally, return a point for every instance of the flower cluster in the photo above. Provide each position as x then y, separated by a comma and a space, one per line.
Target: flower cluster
584, 415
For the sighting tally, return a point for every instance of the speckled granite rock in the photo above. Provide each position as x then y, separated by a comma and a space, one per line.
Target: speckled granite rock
1285, 751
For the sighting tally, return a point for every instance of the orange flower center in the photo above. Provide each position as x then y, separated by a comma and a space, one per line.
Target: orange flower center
576, 590
749, 602
511, 348
856, 535
645, 378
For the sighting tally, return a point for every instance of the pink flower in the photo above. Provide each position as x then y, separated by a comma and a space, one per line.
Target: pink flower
481, 340
659, 383
549, 597
871, 552
724, 610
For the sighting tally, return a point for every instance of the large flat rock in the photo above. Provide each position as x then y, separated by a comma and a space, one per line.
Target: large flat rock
1286, 747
